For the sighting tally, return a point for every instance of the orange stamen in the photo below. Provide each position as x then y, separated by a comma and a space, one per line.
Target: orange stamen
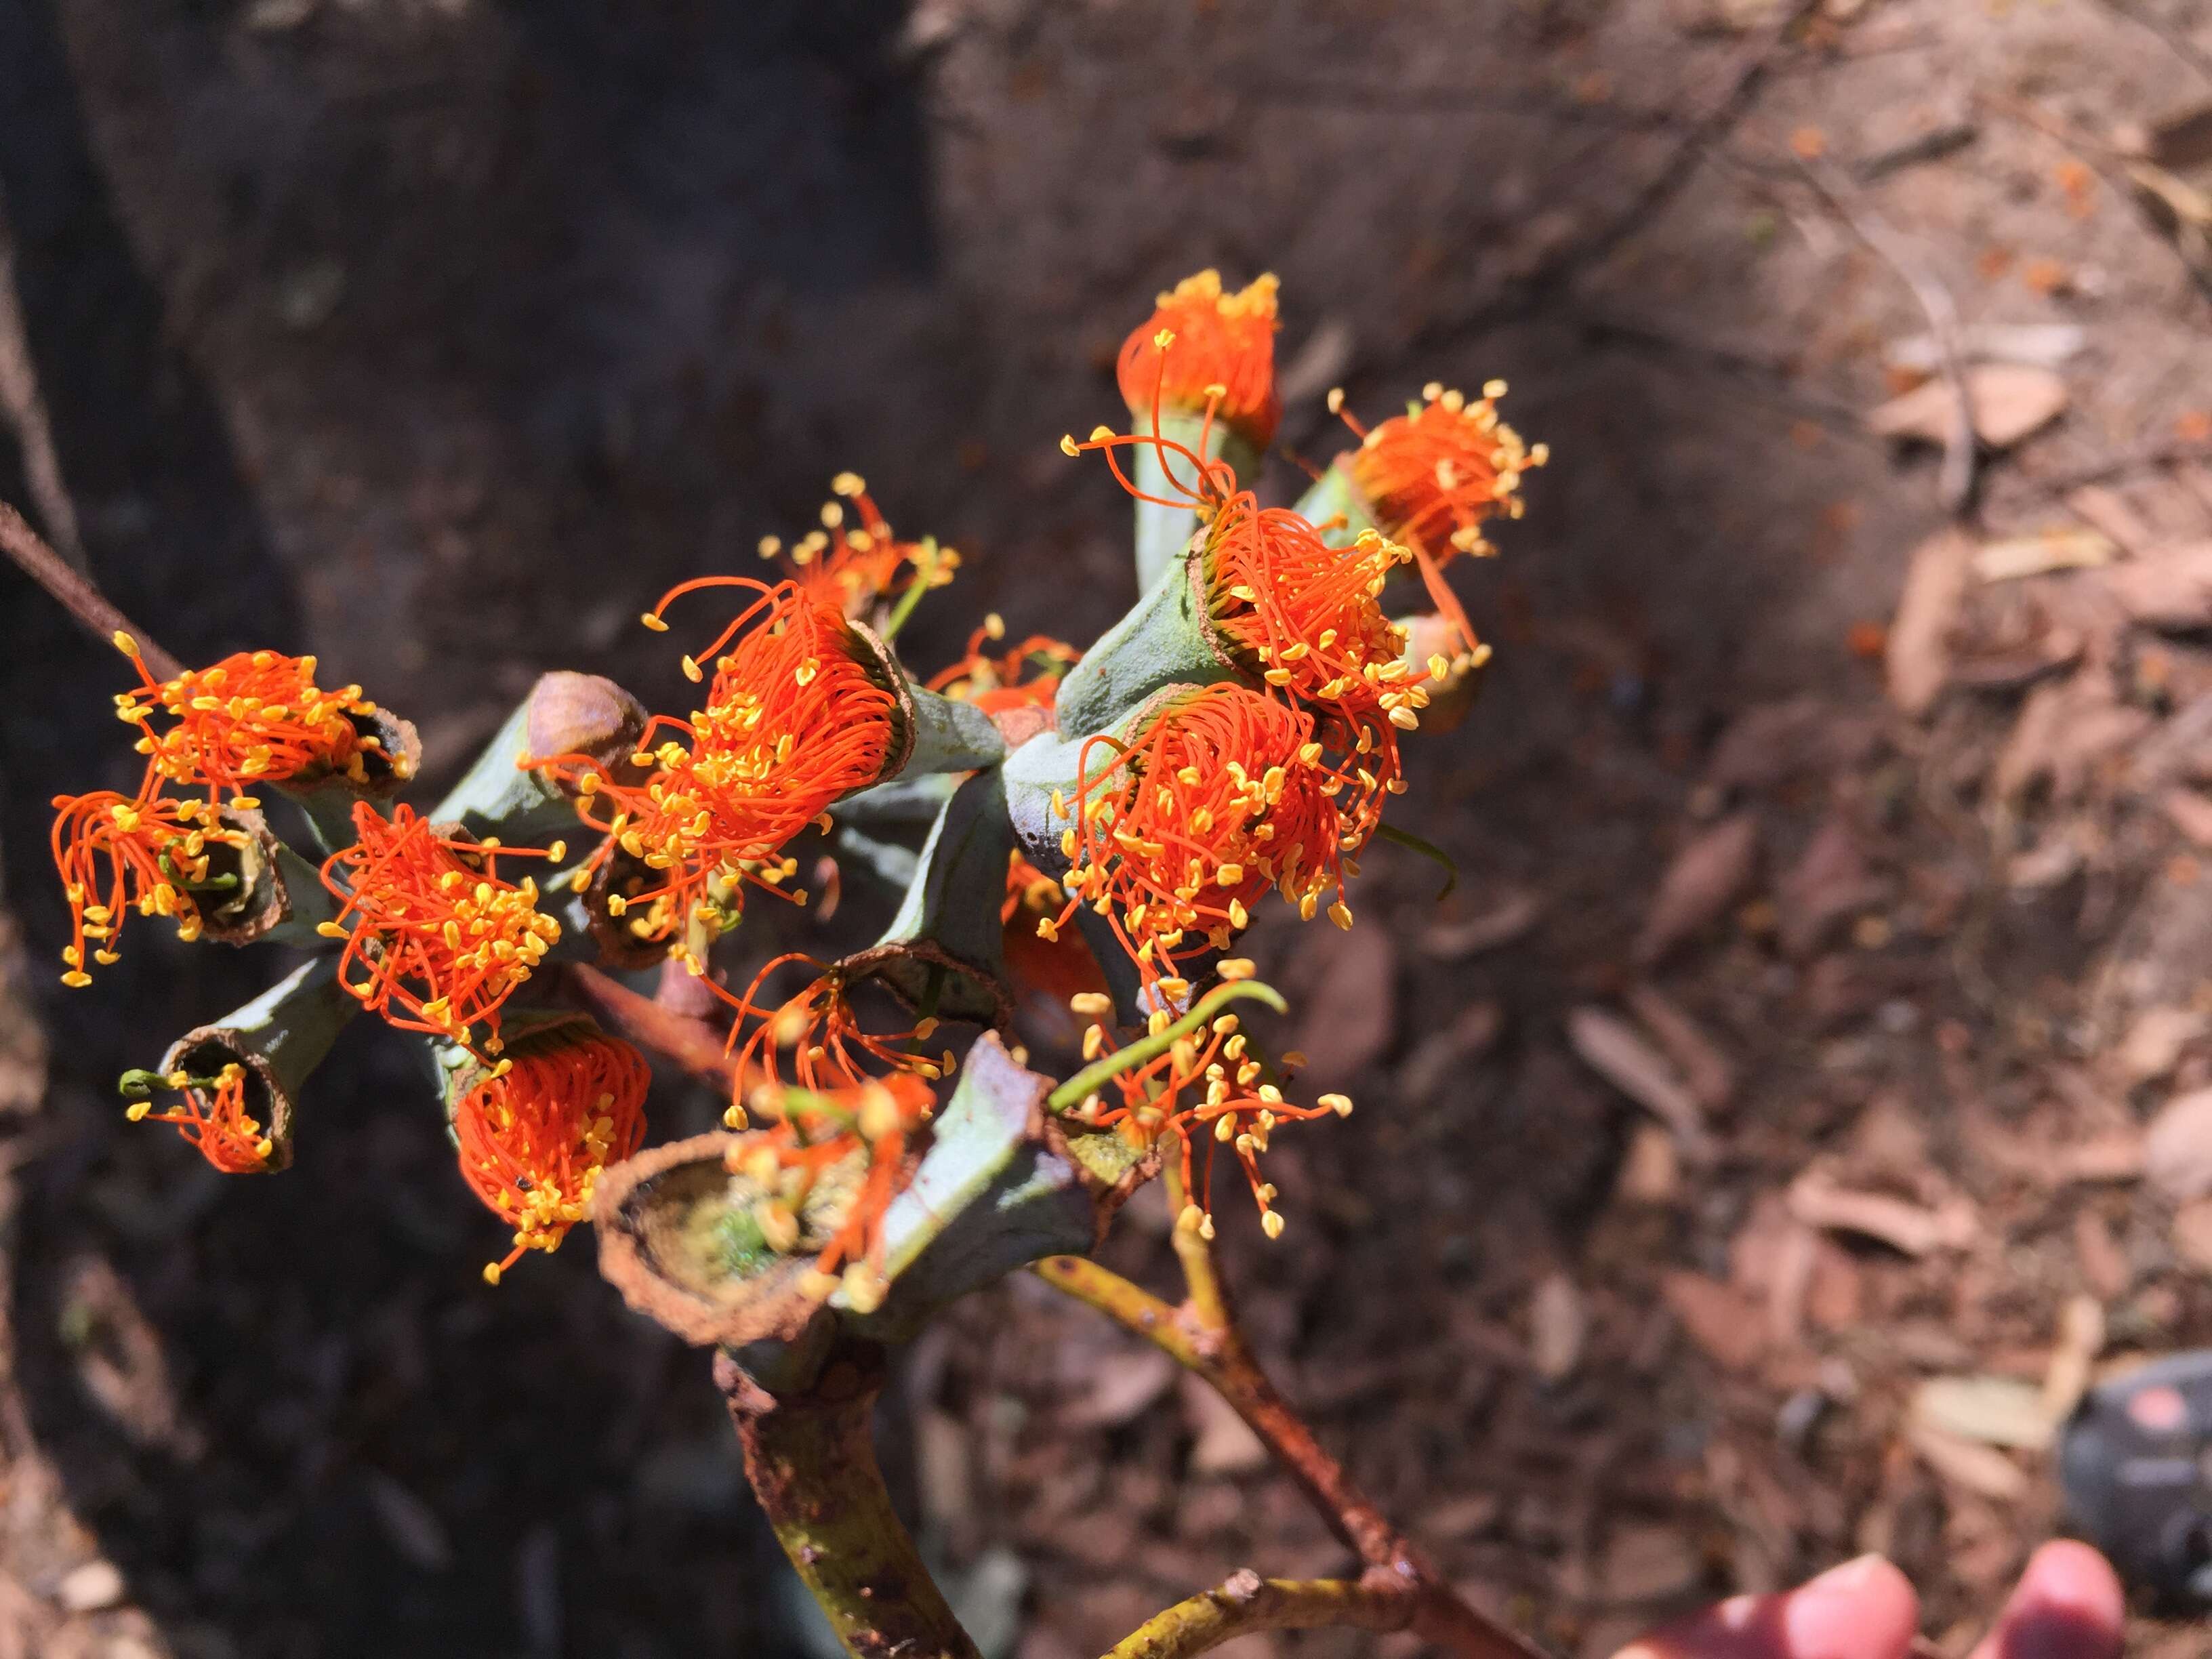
817, 1030
1222, 794
535, 1135
256, 717
1207, 1088
814, 1133
117, 854
796, 717
438, 940
1432, 476
853, 566
1026, 675
1309, 619
1050, 970
1222, 358
213, 1119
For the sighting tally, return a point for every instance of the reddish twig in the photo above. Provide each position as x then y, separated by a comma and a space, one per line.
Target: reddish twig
699, 1048
76, 592
1201, 1334
26, 412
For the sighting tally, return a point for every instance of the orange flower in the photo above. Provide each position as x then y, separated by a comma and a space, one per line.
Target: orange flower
430, 928
1308, 619
213, 1119
116, 853
535, 1132
1206, 1087
798, 716
828, 1049
1432, 476
255, 717
1220, 795
852, 565
816, 1133
1026, 675
1219, 357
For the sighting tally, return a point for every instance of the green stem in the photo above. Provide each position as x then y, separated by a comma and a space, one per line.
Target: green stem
922, 572
1093, 1077
1245, 1603
812, 1464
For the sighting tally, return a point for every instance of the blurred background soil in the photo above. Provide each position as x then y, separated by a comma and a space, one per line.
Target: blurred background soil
1823, 1007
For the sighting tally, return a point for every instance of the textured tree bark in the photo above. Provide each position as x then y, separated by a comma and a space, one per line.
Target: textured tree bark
811, 1455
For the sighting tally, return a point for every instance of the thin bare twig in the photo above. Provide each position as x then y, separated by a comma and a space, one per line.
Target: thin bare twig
1201, 1334
75, 594
1956, 481
1245, 1603
1698, 133
26, 412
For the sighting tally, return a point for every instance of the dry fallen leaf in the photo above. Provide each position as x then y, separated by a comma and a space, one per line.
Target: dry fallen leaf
2102, 507
2064, 730
1651, 1172
2074, 1358
2008, 401
2191, 814
1442, 1057
1982, 1469
2192, 1234
2047, 345
2016, 556
1504, 922
1646, 1562
1829, 881
1224, 1443
1611, 1046
2153, 1043
1704, 1066
1913, 1229
1122, 1385
1719, 1319
1707, 876
2177, 1148
2169, 588
1993, 1411
1350, 982
1557, 1324
1918, 659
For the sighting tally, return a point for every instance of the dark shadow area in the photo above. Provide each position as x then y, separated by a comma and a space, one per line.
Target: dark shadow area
289, 1409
